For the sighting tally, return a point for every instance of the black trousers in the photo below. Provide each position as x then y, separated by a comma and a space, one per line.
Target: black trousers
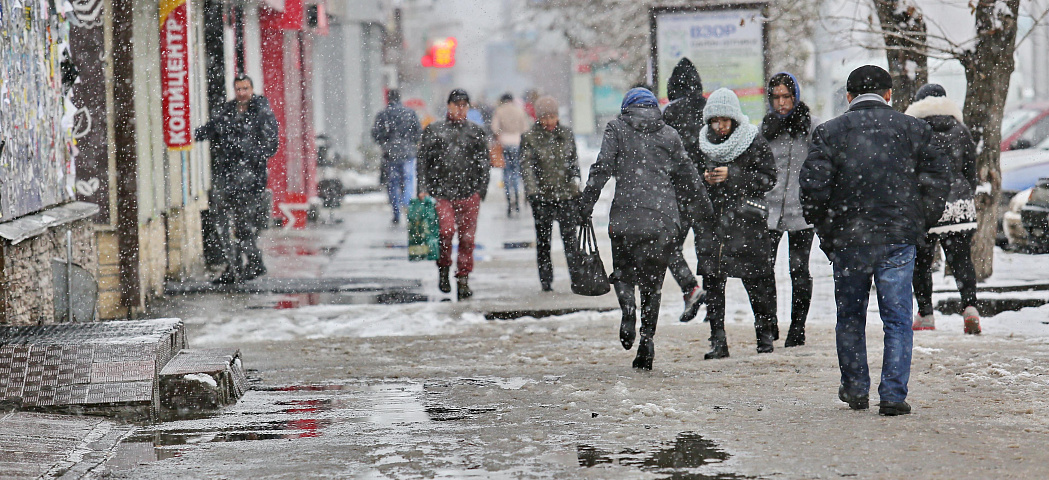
544, 213
679, 268
762, 293
238, 227
957, 251
641, 261
799, 247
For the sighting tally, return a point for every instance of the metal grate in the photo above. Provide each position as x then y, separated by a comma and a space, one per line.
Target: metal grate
88, 363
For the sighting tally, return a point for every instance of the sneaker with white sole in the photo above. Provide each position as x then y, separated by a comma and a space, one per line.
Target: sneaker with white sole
693, 300
972, 320
924, 322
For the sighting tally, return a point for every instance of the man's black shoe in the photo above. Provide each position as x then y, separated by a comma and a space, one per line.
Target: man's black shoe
228, 277
861, 402
253, 271
892, 409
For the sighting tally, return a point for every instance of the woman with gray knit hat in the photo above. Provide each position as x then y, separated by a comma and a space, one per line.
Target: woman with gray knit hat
656, 184
739, 170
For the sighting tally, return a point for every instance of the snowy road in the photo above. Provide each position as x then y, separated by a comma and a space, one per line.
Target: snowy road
433, 390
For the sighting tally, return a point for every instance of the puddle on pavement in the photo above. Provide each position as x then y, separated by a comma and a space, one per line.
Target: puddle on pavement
681, 459
540, 313
292, 412
298, 300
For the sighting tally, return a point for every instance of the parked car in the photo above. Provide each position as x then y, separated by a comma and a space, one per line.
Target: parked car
1035, 217
1021, 171
1025, 127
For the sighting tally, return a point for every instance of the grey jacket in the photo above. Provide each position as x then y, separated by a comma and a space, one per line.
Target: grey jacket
656, 182
397, 131
550, 164
784, 200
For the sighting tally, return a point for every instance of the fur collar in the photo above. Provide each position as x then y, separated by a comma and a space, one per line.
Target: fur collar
932, 106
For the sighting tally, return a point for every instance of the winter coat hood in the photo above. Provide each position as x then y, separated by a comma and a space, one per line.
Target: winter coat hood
795, 90
935, 106
684, 81
643, 118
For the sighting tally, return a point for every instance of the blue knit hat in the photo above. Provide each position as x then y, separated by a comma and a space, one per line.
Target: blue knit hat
725, 104
639, 96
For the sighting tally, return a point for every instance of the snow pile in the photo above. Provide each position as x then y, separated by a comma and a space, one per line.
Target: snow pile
327, 321
202, 378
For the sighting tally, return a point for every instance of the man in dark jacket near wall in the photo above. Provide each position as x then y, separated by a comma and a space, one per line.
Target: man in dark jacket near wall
872, 185
397, 131
246, 131
454, 169
685, 115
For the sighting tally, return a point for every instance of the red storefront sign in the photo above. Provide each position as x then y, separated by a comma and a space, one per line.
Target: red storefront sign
174, 73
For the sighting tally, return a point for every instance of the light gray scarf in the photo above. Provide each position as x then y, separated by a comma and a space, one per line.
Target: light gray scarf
732, 147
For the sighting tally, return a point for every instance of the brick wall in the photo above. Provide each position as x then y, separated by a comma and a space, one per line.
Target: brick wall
26, 275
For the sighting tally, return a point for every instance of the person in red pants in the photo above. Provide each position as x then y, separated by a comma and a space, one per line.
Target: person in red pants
454, 168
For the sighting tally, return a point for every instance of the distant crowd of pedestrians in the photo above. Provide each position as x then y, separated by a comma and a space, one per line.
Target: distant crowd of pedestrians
879, 188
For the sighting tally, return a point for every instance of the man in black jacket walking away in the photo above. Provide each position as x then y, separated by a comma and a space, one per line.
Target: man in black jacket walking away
246, 131
656, 184
454, 169
396, 130
685, 115
872, 185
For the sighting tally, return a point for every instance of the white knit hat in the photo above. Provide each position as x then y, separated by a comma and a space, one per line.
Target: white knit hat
724, 103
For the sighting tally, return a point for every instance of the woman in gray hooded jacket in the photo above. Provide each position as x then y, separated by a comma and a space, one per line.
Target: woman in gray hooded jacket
788, 129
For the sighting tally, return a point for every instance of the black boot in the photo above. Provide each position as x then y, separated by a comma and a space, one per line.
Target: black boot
443, 282
628, 325
646, 349
764, 326
799, 311
230, 276
795, 335
718, 345
463, 291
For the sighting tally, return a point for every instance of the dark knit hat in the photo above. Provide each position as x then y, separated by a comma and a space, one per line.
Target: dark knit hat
930, 90
458, 95
868, 79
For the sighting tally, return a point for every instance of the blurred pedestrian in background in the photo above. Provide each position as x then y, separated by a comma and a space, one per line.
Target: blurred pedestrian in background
508, 124
246, 131
873, 184
685, 115
956, 226
734, 242
453, 168
656, 184
550, 166
788, 127
396, 130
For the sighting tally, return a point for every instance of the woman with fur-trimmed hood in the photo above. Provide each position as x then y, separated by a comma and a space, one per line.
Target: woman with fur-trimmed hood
958, 223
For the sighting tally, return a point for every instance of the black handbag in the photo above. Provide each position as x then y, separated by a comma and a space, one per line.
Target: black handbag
588, 272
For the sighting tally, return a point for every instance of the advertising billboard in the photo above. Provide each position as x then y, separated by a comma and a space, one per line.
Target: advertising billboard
725, 42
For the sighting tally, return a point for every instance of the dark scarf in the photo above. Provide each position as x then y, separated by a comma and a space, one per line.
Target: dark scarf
796, 124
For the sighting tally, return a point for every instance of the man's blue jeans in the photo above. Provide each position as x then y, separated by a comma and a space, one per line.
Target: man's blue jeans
399, 183
892, 269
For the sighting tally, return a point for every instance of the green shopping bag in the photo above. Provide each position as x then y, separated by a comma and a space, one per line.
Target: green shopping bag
422, 230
